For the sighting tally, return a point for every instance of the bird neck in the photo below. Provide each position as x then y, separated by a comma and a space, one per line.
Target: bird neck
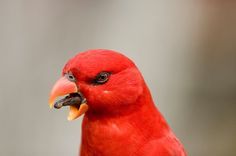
143, 113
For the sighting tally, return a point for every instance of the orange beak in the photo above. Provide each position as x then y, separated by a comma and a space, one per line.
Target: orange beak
64, 87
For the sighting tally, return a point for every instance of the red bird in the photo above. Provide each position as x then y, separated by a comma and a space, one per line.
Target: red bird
120, 117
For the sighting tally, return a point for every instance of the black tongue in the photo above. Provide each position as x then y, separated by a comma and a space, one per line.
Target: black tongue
72, 99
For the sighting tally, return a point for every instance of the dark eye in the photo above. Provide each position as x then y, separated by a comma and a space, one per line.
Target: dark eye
102, 78
70, 77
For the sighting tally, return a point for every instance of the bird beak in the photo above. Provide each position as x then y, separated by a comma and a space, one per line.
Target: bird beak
65, 87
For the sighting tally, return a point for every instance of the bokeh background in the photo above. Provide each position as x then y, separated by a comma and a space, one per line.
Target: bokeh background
186, 50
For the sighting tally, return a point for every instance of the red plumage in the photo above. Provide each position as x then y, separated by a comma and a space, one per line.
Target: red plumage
122, 119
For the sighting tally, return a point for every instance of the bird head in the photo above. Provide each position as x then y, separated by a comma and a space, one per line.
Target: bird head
97, 81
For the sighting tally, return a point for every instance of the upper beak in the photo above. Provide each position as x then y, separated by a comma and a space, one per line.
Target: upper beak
63, 87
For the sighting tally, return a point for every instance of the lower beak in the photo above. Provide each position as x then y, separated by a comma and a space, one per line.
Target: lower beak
65, 87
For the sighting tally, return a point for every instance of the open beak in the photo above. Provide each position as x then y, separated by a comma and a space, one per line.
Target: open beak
73, 98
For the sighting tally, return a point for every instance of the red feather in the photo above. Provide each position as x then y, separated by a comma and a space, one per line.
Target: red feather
122, 119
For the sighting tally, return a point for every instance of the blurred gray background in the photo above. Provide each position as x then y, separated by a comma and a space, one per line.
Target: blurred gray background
186, 50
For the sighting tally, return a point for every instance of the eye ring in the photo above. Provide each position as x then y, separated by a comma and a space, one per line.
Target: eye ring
102, 78
70, 77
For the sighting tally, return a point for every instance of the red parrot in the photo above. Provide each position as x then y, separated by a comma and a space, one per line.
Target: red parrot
120, 117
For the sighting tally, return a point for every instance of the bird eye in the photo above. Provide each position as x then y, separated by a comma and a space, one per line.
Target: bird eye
102, 78
70, 77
